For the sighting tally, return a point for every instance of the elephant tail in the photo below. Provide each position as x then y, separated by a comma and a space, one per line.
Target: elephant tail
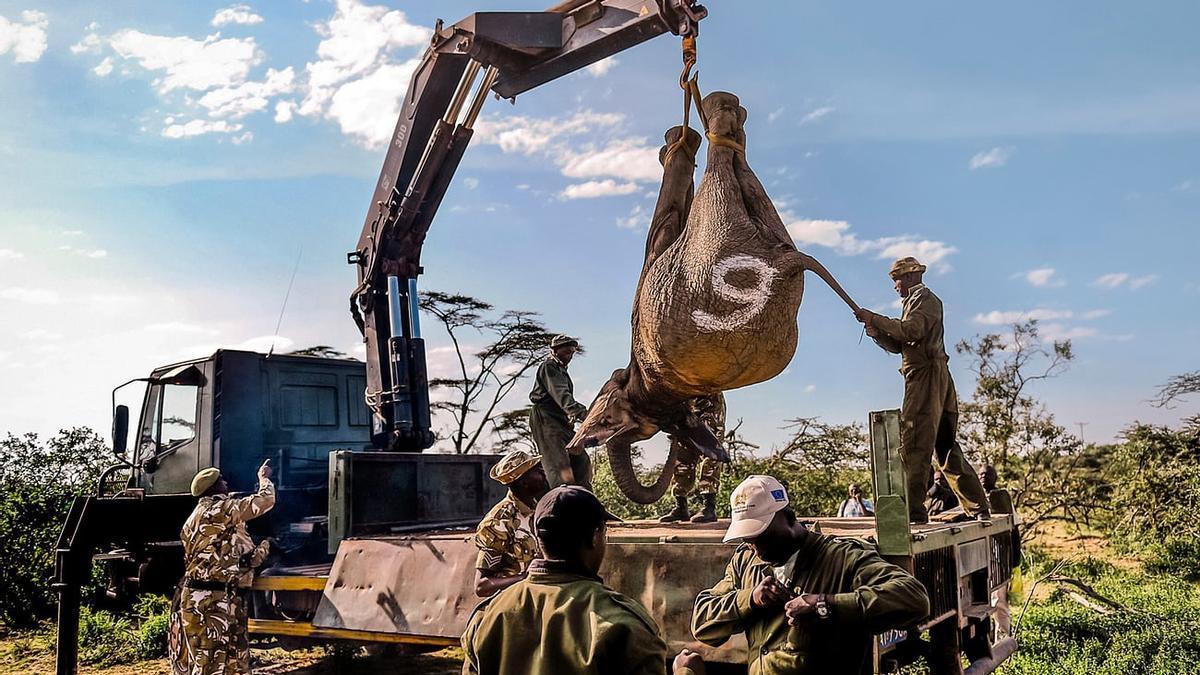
810, 264
621, 461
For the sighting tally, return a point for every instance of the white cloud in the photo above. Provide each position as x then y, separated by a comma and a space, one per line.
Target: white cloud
990, 159
237, 14
1139, 282
41, 334
89, 43
199, 128
810, 388
814, 115
597, 188
284, 111
530, 135
471, 182
30, 296
265, 343
104, 68
1111, 280
72, 233
1044, 277
188, 63
10, 254
835, 234
998, 318
638, 219
244, 137
248, 97
774, 115
355, 53
26, 39
367, 108
628, 159
601, 67
180, 328
1118, 279
1093, 314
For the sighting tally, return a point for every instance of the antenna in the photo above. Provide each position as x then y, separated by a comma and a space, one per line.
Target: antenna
286, 295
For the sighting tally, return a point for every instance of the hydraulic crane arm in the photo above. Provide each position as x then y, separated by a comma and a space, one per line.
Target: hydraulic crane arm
515, 52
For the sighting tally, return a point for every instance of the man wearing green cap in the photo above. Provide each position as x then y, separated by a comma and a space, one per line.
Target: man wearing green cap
504, 538
929, 414
208, 627
553, 415
562, 619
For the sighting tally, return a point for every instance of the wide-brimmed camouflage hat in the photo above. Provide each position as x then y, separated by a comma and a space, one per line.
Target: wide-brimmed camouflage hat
905, 265
205, 479
563, 341
513, 465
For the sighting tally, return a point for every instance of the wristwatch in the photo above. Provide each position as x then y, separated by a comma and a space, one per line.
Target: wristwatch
823, 611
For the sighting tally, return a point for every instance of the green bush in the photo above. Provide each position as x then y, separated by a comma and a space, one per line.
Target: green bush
1156, 635
38, 481
107, 639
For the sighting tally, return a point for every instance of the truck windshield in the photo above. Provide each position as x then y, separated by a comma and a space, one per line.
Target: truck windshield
170, 420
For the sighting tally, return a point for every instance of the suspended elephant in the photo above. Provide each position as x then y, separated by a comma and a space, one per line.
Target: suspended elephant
716, 304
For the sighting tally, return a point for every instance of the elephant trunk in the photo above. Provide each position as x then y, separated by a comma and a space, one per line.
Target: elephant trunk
621, 462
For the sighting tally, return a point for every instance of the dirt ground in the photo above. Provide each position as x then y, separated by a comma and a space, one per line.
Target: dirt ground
33, 654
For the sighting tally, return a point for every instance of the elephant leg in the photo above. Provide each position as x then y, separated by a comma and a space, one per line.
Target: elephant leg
678, 158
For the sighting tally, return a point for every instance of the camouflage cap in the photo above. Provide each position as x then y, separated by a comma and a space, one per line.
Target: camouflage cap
513, 465
563, 341
905, 265
205, 478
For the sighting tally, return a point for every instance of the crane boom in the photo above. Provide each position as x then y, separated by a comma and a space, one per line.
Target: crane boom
515, 51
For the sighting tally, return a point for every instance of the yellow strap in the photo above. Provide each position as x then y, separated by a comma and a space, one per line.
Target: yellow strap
725, 141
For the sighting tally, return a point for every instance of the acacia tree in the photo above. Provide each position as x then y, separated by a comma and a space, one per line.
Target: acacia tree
1053, 476
515, 341
1177, 388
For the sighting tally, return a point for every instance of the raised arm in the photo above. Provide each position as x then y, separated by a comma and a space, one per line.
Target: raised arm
249, 508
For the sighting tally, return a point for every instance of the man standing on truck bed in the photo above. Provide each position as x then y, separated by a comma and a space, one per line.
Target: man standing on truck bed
504, 539
554, 412
807, 603
711, 411
208, 634
562, 619
929, 414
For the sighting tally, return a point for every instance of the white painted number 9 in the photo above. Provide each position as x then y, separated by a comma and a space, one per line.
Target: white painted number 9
752, 299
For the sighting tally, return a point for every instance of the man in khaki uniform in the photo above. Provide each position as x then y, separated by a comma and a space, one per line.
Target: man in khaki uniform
553, 415
208, 632
504, 539
807, 603
711, 411
929, 414
562, 619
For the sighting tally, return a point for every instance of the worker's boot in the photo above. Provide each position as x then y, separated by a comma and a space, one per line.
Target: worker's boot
708, 514
680, 512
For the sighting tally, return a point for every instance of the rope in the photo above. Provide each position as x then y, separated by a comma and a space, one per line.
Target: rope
691, 96
725, 142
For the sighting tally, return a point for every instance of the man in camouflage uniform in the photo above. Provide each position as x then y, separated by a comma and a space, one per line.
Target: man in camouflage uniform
553, 415
711, 411
929, 414
506, 544
208, 619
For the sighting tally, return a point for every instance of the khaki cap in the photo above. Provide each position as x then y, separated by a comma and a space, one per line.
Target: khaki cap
513, 465
563, 341
753, 505
205, 479
905, 265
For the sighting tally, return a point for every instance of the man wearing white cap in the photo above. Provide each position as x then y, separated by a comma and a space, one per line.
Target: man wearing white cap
807, 603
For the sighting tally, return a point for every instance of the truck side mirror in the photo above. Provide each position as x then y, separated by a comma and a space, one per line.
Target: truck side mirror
120, 430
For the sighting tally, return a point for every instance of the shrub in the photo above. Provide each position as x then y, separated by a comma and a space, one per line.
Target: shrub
107, 639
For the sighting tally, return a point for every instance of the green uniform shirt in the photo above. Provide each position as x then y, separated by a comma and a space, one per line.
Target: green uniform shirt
868, 596
918, 335
552, 389
215, 537
506, 545
560, 622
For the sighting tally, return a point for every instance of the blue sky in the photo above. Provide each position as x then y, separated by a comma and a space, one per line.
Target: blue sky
162, 164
